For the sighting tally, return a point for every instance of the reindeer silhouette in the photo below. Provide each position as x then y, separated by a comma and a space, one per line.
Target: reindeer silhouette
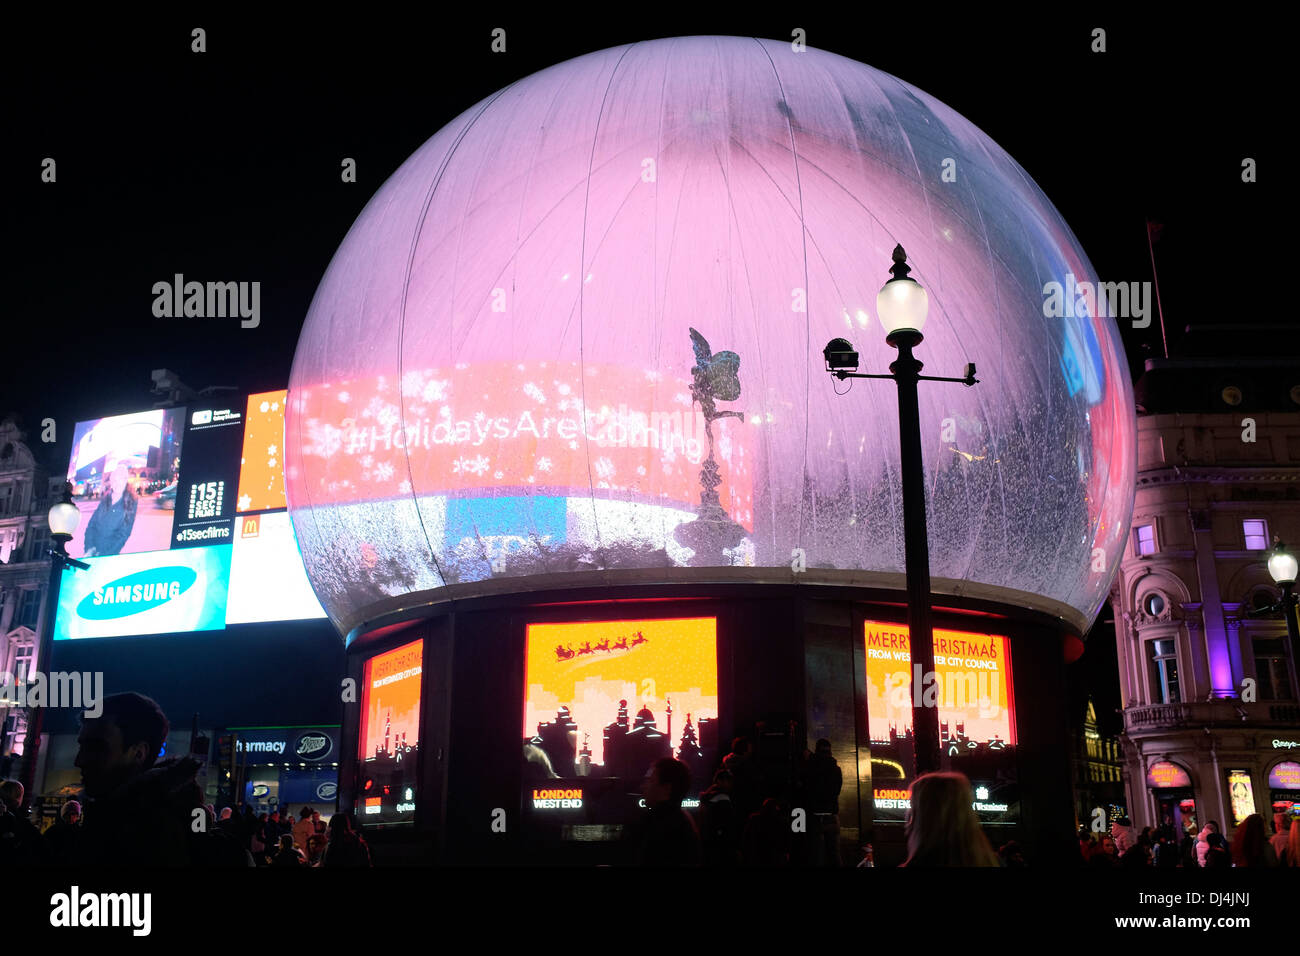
603, 645
585, 649
621, 643
639, 639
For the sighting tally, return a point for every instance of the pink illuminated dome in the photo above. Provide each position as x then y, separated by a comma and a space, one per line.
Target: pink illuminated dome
527, 363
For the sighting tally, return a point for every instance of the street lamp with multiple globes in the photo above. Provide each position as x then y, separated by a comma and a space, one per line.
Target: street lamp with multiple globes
1282, 568
63, 520
902, 305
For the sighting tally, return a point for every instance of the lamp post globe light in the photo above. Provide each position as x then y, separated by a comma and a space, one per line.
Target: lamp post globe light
903, 305
1282, 567
63, 519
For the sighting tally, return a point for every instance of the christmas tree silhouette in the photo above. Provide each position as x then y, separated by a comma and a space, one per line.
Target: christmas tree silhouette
690, 747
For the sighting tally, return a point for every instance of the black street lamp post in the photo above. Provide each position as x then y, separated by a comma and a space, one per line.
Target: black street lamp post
1282, 567
902, 306
63, 520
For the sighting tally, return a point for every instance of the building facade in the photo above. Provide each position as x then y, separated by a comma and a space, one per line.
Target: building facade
26, 493
1098, 773
1207, 674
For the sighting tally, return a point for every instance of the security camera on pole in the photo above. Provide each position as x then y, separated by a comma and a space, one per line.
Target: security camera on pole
902, 305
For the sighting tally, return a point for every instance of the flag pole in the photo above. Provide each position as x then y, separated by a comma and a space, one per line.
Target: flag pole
1159, 310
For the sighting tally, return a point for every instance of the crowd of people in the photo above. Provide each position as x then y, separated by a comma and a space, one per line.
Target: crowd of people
1163, 848
145, 811
142, 811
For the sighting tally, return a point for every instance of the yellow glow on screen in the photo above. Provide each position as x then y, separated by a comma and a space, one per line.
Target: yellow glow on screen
645, 662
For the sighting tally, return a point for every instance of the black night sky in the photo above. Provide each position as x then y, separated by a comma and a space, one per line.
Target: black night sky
226, 164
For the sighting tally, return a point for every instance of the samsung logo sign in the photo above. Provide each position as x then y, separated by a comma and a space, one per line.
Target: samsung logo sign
136, 592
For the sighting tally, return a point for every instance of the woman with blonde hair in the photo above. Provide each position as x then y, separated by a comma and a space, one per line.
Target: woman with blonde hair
942, 828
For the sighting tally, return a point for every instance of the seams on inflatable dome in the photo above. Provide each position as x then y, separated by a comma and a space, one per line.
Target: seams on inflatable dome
497, 386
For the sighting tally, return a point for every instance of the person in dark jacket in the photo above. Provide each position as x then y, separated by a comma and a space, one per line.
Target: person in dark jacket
823, 781
21, 843
346, 847
666, 835
140, 810
110, 526
288, 854
63, 839
719, 822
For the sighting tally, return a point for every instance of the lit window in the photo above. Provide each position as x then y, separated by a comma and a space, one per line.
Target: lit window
1164, 672
1256, 532
1146, 539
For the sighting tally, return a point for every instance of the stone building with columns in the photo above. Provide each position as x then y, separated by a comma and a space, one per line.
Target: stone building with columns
1207, 674
26, 493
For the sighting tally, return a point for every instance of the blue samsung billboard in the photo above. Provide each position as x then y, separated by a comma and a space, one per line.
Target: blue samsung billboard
154, 592
170, 547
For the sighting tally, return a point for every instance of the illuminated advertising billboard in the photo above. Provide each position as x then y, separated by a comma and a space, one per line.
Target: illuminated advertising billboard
606, 699
157, 592
123, 471
389, 741
205, 507
267, 579
541, 427
971, 686
1165, 775
261, 462
1241, 794
140, 496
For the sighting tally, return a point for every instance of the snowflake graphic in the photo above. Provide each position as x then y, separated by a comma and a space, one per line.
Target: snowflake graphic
640, 470
682, 398
535, 393
669, 454
479, 417
435, 391
344, 397
264, 407
387, 416
604, 467
404, 487
475, 466
444, 411
573, 445
244, 502
499, 475
412, 383
565, 389
330, 441
543, 464
532, 479
275, 406
385, 471
270, 463
367, 461
272, 450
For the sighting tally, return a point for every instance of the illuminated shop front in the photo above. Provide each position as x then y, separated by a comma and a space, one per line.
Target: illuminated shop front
564, 468
1173, 796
